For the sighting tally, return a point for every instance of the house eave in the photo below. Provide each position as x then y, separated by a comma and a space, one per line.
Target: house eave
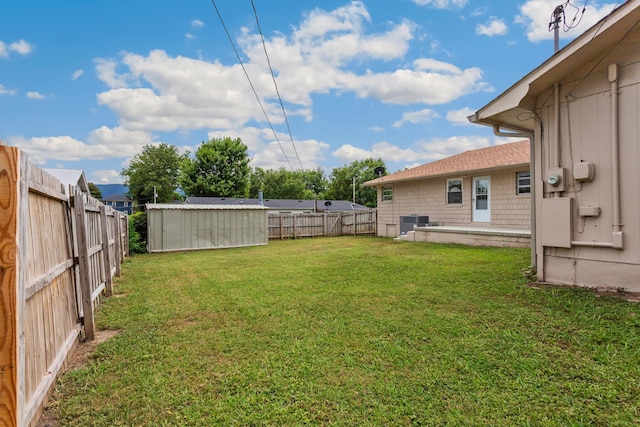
514, 109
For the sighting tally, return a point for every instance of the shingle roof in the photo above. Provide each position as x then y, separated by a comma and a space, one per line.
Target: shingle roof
497, 156
282, 204
117, 198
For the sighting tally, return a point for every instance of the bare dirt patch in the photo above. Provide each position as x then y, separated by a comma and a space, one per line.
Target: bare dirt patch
598, 291
78, 359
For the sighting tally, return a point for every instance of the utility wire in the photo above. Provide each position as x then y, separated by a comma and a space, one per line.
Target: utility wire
250, 83
273, 77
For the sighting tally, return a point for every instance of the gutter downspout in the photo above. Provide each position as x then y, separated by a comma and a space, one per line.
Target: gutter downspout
615, 157
556, 118
532, 171
615, 154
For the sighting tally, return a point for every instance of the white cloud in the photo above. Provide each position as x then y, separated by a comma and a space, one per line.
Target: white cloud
107, 177
493, 27
158, 92
535, 15
442, 4
459, 117
102, 143
5, 91
196, 23
35, 95
430, 82
106, 71
190, 36
420, 153
415, 117
20, 47
376, 129
77, 74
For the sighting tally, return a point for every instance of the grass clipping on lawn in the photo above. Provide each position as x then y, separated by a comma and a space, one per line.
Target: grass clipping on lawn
354, 331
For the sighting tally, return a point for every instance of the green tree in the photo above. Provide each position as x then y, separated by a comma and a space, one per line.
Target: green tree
316, 181
220, 168
156, 166
284, 184
342, 182
95, 191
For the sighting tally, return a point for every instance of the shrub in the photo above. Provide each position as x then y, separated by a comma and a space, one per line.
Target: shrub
139, 221
136, 244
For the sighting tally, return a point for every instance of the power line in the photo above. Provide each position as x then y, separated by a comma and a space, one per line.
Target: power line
250, 83
273, 77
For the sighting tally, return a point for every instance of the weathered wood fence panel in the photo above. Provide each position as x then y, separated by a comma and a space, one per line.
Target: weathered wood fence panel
45, 271
288, 226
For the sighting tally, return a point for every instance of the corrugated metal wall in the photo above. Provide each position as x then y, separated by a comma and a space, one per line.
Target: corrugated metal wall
191, 227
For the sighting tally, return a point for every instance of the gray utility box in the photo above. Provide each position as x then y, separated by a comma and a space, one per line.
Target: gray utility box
409, 222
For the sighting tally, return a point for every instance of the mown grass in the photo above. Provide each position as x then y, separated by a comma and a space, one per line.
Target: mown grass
353, 332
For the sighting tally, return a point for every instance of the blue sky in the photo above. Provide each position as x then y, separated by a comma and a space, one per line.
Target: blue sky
85, 84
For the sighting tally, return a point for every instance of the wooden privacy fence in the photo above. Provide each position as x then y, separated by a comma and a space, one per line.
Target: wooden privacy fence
58, 253
288, 226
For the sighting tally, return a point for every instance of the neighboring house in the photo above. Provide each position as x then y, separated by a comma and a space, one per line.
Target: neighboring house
282, 205
488, 188
71, 178
120, 203
581, 109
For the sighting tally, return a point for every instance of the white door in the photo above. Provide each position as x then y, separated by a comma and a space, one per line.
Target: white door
481, 199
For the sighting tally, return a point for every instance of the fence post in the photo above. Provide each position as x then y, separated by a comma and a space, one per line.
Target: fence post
83, 263
354, 224
11, 304
117, 249
125, 230
325, 224
293, 217
106, 252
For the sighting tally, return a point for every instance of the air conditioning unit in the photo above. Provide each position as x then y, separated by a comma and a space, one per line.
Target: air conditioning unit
409, 222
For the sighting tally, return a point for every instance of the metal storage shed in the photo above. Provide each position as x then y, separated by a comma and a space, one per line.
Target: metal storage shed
184, 227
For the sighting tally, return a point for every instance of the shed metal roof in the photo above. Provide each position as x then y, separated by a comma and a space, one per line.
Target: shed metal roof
185, 206
282, 204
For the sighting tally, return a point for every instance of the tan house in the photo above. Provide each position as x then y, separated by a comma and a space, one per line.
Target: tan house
476, 197
581, 109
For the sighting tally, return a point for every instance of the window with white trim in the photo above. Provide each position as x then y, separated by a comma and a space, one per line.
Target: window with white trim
454, 191
387, 194
523, 182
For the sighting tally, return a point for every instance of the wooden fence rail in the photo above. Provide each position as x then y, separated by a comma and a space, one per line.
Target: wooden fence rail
59, 250
288, 226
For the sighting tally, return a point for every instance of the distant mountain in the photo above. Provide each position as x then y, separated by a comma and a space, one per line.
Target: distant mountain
112, 189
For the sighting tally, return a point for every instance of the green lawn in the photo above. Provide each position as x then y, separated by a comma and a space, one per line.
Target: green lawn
354, 332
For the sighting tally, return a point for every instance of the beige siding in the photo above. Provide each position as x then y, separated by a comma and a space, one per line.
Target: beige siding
428, 197
586, 123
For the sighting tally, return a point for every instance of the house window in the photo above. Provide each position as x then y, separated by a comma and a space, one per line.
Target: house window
387, 194
454, 191
523, 184
126, 204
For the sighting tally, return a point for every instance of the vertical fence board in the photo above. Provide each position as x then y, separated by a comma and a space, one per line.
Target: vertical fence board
106, 252
287, 226
9, 272
84, 266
